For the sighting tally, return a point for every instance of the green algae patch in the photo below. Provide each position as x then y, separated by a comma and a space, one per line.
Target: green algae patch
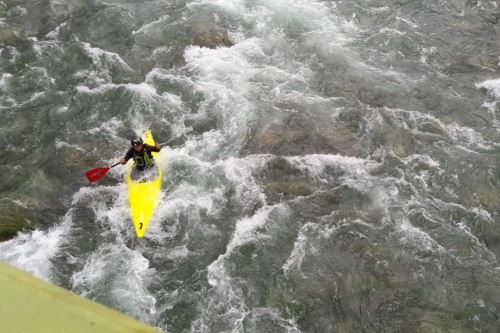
30, 305
10, 227
13, 220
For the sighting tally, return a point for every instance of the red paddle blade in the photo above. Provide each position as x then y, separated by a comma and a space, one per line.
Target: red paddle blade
96, 174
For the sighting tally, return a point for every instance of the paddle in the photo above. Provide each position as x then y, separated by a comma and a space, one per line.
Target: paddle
98, 173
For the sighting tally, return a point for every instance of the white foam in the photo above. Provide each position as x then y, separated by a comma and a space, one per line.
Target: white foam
479, 212
179, 252
32, 251
151, 25
186, 197
109, 127
142, 89
217, 64
63, 144
408, 22
126, 275
207, 145
4, 81
461, 136
421, 159
144, 97
380, 9
113, 273
392, 31
414, 236
18, 11
426, 52
288, 325
239, 172
422, 175
492, 85
228, 297
217, 275
102, 57
54, 34
467, 136
244, 233
312, 16
229, 77
234, 7
315, 165
294, 261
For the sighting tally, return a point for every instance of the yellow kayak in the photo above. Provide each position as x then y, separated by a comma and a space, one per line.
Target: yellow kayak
144, 191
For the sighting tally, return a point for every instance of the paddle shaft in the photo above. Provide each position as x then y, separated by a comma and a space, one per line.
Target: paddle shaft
97, 173
161, 144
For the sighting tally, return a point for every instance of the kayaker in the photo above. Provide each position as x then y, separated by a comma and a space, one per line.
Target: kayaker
141, 154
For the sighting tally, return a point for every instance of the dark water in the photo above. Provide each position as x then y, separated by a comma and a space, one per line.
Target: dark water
331, 166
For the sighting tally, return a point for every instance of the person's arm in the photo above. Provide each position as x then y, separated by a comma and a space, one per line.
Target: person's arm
127, 157
155, 148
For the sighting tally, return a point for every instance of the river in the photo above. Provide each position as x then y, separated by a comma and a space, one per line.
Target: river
330, 166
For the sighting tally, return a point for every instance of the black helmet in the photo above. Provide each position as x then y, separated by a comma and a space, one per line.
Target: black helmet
136, 140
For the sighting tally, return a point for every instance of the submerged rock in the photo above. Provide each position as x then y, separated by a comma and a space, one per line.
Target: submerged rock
13, 219
9, 36
298, 136
10, 227
289, 189
208, 33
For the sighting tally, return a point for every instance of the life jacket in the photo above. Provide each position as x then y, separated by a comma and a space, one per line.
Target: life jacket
144, 158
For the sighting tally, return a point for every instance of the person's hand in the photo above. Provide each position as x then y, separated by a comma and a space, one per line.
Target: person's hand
157, 146
123, 161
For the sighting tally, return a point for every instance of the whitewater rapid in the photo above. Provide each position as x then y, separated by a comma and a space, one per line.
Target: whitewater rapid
329, 167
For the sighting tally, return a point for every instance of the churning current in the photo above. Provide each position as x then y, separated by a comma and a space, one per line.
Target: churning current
330, 166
